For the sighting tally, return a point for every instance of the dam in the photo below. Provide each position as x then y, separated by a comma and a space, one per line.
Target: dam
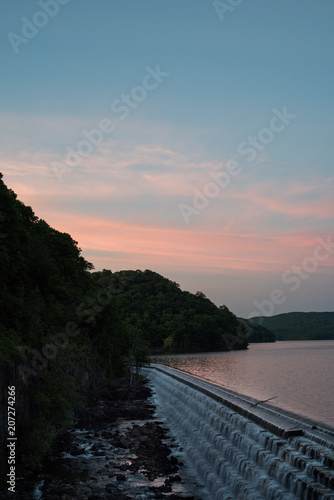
243, 449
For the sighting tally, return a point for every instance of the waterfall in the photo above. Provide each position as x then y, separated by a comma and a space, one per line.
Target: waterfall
241, 450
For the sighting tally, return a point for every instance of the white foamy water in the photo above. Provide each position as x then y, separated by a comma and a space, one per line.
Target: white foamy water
242, 452
299, 373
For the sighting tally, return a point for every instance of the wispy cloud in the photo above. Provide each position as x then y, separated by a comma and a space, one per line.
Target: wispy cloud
302, 200
120, 204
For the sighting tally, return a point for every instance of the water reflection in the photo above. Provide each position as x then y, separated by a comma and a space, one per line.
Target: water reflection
299, 373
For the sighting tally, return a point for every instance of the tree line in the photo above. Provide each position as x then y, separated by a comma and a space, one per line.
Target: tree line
65, 329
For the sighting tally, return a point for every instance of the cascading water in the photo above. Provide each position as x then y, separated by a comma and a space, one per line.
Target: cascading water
240, 452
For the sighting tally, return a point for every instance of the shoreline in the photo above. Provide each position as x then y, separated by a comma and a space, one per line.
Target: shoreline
289, 370
292, 416
243, 447
117, 449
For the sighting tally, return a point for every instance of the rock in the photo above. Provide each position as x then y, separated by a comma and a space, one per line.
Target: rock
120, 477
166, 488
83, 491
107, 472
175, 479
99, 454
178, 497
77, 452
114, 493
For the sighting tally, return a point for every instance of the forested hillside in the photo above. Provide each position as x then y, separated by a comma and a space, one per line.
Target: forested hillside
300, 325
257, 333
64, 329
172, 320
59, 333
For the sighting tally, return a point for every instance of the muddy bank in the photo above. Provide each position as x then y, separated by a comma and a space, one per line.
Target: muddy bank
117, 450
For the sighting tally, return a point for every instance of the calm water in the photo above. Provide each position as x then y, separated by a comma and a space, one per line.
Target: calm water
299, 373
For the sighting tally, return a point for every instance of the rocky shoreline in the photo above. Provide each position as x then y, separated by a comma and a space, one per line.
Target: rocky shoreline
117, 450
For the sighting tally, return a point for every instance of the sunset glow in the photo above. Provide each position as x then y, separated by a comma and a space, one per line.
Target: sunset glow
202, 153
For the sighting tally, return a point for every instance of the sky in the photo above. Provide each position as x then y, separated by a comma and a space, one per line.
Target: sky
190, 137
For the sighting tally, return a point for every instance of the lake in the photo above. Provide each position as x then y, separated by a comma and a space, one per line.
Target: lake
299, 373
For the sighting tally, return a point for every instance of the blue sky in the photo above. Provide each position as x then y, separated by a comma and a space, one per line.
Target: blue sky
221, 83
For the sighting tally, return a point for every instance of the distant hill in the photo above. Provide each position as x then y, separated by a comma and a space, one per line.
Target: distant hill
300, 325
169, 319
257, 333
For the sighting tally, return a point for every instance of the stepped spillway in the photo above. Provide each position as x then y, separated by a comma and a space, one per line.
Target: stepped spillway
241, 449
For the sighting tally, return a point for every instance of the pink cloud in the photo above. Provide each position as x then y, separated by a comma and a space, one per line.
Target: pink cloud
154, 247
295, 201
234, 233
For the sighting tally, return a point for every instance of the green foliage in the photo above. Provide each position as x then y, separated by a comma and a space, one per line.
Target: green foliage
50, 347
138, 355
142, 356
38, 439
169, 319
257, 333
62, 326
110, 340
42, 273
8, 343
300, 325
